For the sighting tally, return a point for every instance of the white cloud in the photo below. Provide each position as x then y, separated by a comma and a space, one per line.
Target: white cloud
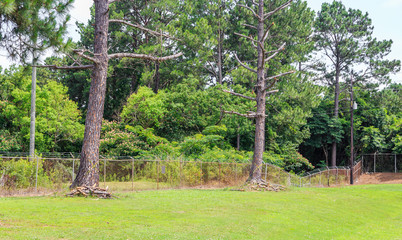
81, 13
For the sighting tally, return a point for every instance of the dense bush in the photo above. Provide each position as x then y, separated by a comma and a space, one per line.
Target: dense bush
21, 173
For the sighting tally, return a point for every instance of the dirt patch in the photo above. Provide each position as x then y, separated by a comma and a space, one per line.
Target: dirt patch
380, 178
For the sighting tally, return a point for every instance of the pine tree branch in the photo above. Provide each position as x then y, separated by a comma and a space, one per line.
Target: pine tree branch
80, 52
144, 56
248, 115
112, 1
251, 10
272, 91
152, 32
211, 70
276, 79
65, 67
267, 15
275, 52
250, 26
279, 75
249, 38
244, 65
239, 95
267, 31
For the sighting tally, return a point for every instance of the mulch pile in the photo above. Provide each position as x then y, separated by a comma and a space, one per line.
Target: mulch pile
86, 191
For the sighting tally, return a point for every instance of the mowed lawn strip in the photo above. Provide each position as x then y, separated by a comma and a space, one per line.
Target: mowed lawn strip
358, 212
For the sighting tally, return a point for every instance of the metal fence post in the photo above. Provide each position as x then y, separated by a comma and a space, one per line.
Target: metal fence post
132, 174
236, 172
266, 171
157, 176
320, 178
336, 176
374, 160
219, 176
201, 174
36, 178
328, 174
73, 171
180, 174
104, 173
395, 162
279, 177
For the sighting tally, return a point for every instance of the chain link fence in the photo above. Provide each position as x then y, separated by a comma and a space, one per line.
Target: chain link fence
58, 170
382, 162
331, 176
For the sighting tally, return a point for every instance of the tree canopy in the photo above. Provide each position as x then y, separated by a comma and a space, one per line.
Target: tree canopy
200, 80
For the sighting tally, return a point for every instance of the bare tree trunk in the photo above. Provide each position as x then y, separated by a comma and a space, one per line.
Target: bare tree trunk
220, 39
260, 86
325, 150
336, 113
259, 144
88, 173
156, 78
133, 83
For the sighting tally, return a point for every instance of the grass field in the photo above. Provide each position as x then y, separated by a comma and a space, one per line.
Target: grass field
358, 212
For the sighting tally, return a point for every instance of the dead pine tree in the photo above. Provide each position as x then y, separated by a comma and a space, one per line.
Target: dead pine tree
88, 173
264, 83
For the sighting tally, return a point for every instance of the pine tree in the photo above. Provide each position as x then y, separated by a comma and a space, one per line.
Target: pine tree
344, 36
28, 28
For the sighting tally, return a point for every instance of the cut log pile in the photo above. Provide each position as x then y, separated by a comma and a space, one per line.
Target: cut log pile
86, 191
261, 186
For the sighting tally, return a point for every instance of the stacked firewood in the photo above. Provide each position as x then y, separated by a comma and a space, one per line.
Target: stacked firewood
86, 191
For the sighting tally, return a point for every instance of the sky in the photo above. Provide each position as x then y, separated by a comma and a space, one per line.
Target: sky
386, 18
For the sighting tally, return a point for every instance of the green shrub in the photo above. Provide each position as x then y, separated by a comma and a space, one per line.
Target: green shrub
21, 173
228, 155
198, 144
9, 143
295, 162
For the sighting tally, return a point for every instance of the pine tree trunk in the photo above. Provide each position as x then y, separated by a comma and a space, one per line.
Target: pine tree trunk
259, 145
88, 173
336, 113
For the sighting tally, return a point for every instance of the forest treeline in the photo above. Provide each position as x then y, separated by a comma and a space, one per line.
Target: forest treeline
180, 107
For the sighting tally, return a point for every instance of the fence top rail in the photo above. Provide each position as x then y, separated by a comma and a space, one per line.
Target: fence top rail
71, 155
324, 169
127, 160
379, 154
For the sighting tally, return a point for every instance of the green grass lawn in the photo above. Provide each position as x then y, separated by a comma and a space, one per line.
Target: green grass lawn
358, 212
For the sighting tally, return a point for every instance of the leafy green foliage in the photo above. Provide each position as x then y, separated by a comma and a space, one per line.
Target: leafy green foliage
198, 144
58, 124
116, 141
295, 162
8, 143
21, 173
144, 108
